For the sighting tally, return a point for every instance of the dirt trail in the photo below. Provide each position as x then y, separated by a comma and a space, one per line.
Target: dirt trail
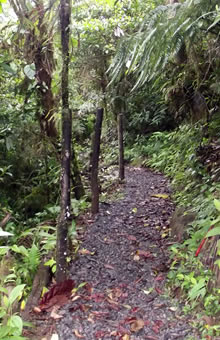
123, 258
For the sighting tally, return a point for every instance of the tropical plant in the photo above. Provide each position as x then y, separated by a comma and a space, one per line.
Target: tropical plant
11, 324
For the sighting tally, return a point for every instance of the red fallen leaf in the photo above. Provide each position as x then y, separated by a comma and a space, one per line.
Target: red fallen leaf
113, 306
128, 320
99, 315
134, 310
149, 337
100, 334
146, 254
156, 329
98, 297
56, 301
62, 288
146, 323
158, 290
131, 238
108, 266
123, 330
159, 323
160, 277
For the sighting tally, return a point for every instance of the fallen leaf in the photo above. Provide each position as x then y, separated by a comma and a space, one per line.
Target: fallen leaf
36, 310
131, 238
160, 277
76, 297
54, 314
137, 325
55, 337
164, 196
77, 334
100, 334
108, 266
114, 333
173, 309
125, 337
158, 290
147, 292
146, 254
57, 294
134, 210
127, 306
84, 251
136, 257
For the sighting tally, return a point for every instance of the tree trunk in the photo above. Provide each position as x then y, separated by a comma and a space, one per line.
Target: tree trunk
62, 228
95, 161
121, 147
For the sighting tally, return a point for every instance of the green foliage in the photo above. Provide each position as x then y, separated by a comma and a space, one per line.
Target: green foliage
160, 36
11, 324
27, 263
188, 274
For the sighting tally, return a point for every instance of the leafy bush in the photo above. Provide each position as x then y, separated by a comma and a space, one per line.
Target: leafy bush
175, 154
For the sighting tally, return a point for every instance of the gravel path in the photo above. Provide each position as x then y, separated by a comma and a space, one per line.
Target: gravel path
123, 258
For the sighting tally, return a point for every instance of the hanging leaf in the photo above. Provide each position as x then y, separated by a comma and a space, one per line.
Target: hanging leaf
213, 232
15, 294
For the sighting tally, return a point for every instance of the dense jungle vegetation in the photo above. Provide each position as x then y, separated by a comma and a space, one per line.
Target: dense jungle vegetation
154, 62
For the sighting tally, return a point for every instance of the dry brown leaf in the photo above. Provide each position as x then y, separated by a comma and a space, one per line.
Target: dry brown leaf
75, 298
137, 325
77, 334
54, 315
36, 310
86, 252
126, 337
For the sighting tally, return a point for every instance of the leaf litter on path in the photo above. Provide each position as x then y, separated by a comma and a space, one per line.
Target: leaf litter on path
123, 259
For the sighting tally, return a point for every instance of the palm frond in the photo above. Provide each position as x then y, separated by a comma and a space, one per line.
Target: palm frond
161, 34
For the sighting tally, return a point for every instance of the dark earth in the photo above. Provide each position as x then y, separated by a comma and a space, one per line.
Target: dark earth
121, 266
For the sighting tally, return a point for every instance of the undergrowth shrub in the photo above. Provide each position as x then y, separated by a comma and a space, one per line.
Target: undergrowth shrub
175, 154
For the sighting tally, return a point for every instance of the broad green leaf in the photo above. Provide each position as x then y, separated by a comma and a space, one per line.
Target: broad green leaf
213, 232
50, 263
3, 290
3, 250
20, 250
16, 322
2, 313
5, 301
15, 293
217, 204
4, 330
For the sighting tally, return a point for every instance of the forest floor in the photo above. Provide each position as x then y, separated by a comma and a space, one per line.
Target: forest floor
123, 258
